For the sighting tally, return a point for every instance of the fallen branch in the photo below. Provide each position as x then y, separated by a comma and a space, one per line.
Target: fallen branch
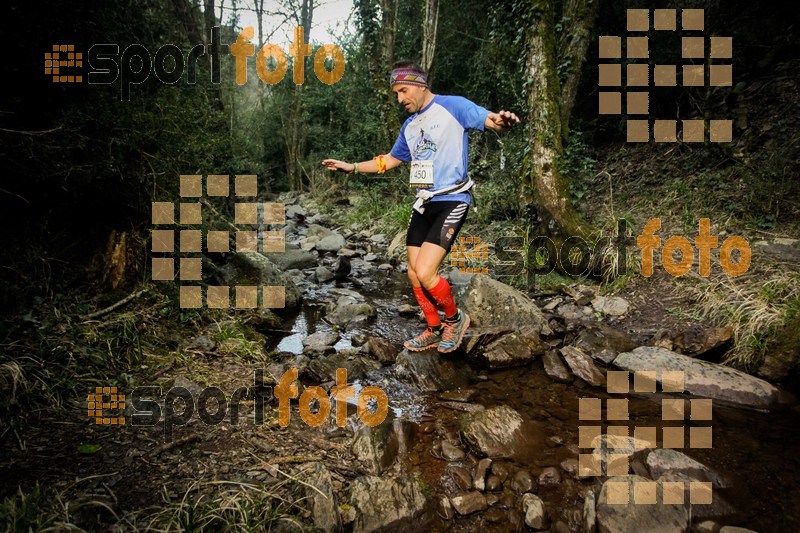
174, 444
112, 307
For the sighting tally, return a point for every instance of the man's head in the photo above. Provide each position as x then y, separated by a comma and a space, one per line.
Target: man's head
410, 84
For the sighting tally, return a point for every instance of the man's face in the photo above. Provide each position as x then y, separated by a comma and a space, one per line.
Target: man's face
410, 96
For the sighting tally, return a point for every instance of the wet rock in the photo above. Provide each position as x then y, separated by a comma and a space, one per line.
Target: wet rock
701, 377
718, 508
515, 522
458, 395
570, 466
451, 452
611, 449
554, 368
462, 407
495, 432
341, 268
481, 469
663, 460
614, 516
582, 366
324, 507
494, 516
469, 503
491, 303
552, 304
378, 238
381, 350
385, 267
323, 369
493, 483
331, 243
549, 477
582, 294
603, 342
347, 310
501, 470
397, 248
554, 441
371, 257
378, 447
359, 339
734, 529
320, 343
295, 211
533, 508
478, 339
696, 340
589, 521
515, 349
253, 268
638, 468
706, 526
445, 509
407, 310
292, 259
428, 371
323, 274
461, 477
610, 305
522, 482
346, 252
383, 501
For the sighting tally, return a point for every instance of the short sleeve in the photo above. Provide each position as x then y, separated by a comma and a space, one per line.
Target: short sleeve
400, 149
467, 113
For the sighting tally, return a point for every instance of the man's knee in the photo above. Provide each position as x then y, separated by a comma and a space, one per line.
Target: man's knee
427, 277
412, 275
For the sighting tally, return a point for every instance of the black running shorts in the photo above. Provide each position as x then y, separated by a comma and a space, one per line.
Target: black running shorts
439, 224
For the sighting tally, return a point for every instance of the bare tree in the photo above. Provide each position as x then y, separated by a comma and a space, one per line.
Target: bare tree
429, 26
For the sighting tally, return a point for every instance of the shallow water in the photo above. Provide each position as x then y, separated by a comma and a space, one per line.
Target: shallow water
757, 452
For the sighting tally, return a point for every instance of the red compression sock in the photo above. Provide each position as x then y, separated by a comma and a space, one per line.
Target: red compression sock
428, 307
444, 297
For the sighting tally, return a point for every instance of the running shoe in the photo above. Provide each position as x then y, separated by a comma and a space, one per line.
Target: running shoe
429, 338
454, 333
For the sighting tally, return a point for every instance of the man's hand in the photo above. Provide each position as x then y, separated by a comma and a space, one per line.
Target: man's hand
501, 121
340, 166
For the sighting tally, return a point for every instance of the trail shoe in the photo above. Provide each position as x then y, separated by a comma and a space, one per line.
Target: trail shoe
427, 339
454, 332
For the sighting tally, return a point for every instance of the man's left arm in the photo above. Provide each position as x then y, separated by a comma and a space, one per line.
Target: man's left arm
501, 121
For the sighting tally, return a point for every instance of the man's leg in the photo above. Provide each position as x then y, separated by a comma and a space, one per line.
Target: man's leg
426, 269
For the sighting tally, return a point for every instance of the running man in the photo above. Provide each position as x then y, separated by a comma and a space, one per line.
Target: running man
434, 140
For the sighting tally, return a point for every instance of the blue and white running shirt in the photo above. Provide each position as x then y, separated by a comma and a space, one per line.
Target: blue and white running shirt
439, 132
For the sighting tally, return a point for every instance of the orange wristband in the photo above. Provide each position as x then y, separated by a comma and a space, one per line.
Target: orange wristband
381, 162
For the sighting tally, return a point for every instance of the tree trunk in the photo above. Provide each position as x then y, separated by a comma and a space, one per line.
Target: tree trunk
549, 189
579, 16
391, 121
295, 141
429, 26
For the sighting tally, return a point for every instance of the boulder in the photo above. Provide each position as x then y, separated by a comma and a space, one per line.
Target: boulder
381, 350
554, 368
495, 432
617, 510
491, 303
664, 460
610, 305
513, 349
378, 447
582, 366
323, 369
324, 506
331, 243
429, 372
471, 502
292, 258
348, 310
701, 377
533, 508
320, 343
253, 268
382, 502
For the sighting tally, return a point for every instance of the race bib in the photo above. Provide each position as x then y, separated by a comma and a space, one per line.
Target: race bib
421, 174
